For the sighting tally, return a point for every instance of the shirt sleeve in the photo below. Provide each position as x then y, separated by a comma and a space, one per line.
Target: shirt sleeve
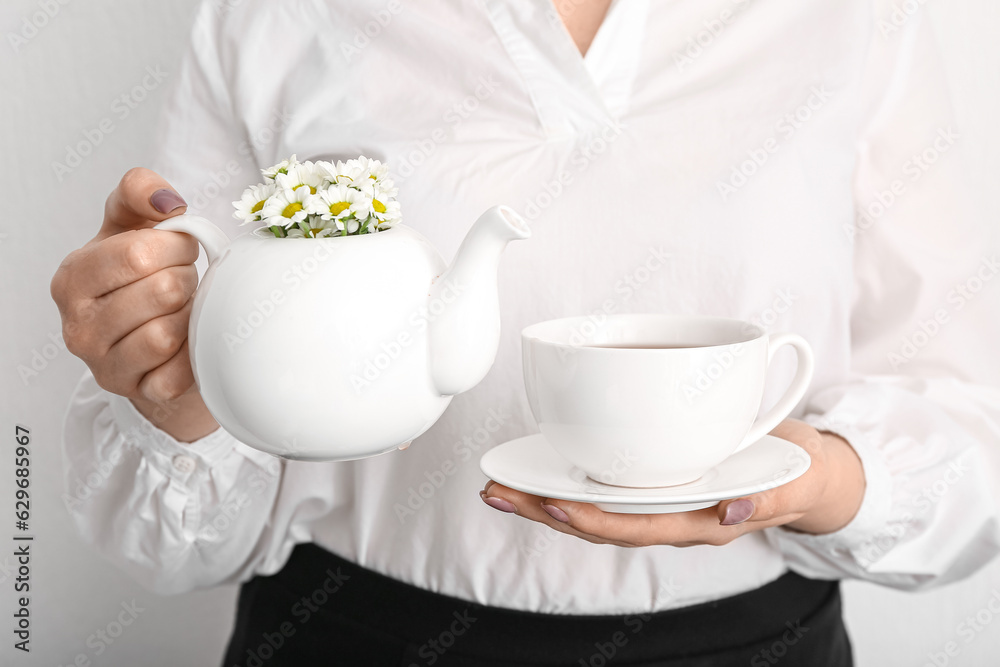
921, 408
174, 516
177, 516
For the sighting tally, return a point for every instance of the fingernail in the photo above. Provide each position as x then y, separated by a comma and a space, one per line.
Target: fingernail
556, 513
499, 504
738, 511
165, 200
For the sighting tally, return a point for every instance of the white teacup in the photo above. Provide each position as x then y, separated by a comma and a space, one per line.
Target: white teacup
654, 400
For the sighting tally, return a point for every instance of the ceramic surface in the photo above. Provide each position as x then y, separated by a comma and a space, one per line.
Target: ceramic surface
654, 417
342, 347
531, 465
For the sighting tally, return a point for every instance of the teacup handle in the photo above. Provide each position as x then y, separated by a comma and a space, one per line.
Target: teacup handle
211, 238
796, 390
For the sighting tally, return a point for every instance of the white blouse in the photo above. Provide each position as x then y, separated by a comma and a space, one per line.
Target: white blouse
794, 161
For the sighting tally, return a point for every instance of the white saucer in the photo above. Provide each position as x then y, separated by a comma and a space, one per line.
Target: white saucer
530, 465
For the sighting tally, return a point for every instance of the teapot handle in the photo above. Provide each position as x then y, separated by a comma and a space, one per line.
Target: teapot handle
211, 238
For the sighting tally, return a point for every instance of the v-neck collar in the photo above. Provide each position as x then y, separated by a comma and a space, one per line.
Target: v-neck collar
613, 57
572, 94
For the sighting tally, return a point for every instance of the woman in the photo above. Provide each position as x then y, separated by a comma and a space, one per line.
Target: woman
775, 157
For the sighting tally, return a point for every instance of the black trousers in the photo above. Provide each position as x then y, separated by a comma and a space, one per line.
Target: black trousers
324, 610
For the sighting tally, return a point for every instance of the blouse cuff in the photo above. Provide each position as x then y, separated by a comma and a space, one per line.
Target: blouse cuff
182, 462
853, 540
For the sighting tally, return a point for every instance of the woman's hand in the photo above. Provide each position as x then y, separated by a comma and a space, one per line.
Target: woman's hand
822, 500
125, 302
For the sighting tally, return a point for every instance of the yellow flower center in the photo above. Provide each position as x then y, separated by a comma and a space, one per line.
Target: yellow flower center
339, 207
378, 206
258, 206
300, 185
292, 209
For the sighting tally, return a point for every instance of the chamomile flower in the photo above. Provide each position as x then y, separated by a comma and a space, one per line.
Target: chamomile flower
352, 225
287, 207
364, 174
390, 217
385, 208
305, 174
333, 173
327, 230
374, 169
351, 173
280, 168
316, 227
249, 207
317, 199
341, 201
387, 187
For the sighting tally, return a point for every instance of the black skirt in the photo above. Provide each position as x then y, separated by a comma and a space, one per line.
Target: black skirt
324, 610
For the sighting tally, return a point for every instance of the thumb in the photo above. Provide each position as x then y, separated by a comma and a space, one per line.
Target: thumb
142, 199
758, 507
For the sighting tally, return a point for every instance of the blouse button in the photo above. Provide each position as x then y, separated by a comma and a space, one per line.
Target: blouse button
183, 463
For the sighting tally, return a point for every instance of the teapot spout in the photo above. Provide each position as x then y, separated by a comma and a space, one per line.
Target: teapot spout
464, 328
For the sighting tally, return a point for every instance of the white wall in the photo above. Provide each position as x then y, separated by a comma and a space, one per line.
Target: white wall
64, 81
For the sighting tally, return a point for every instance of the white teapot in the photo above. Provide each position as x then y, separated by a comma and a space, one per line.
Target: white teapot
342, 347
